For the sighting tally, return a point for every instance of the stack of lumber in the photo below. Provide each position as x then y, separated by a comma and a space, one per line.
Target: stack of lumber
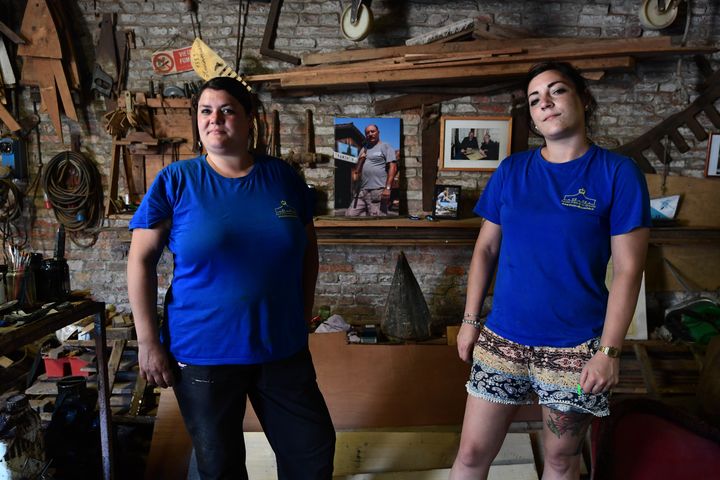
468, 63
129, 393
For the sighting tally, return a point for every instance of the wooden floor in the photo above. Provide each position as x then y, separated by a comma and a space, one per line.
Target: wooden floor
397, 455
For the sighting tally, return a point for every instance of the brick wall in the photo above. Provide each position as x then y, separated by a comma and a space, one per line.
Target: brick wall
354, 279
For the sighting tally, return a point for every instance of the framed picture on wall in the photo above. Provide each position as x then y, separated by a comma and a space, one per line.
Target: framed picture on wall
712, 165
446, 201
474, 143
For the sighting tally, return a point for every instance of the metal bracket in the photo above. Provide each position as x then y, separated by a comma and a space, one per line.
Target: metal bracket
266, 48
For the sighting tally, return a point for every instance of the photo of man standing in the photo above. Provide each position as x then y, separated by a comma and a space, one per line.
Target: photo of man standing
372, 177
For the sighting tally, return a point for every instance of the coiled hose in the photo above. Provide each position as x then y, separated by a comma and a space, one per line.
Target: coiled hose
73, 187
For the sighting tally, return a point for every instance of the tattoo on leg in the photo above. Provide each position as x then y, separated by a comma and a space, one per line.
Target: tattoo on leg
561, 423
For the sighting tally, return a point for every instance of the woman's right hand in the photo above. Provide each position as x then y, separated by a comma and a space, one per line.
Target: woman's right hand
154, 363
467, 336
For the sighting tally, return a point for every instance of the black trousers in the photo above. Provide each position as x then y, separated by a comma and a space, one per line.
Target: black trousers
287, 401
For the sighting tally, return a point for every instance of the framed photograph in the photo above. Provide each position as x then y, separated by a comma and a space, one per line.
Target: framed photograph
446, 201
363, 151
474, 143
712, 165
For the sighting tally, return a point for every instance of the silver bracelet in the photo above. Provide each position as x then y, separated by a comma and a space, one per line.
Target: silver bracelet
475, 323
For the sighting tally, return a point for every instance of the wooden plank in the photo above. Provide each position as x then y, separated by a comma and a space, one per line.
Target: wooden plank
8, 120
430, 132
383, 451
444, 74
64, 89
114, 362
114, 178
169, 441
387, 379
646, 368
524, 471
416, 100
699, 197
331, 73
476, 45
38, 27
699, 263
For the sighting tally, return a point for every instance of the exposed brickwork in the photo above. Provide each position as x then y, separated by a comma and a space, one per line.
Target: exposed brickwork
354, 279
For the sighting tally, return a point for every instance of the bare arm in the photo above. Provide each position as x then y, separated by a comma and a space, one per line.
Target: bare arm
310, 271
482, 266
145, 250
392, 171
356, 173
628, 255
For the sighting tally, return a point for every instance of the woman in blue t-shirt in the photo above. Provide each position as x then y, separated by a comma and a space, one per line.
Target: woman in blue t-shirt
239, 226
553, 218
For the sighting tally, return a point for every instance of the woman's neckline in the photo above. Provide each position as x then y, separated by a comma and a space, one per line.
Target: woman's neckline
242, 174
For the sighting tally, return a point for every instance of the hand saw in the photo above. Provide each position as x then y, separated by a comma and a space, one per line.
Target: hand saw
208, 64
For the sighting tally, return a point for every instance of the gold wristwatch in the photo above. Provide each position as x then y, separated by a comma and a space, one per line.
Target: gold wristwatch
611, 352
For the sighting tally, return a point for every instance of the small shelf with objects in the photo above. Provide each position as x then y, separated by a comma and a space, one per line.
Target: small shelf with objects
149, 132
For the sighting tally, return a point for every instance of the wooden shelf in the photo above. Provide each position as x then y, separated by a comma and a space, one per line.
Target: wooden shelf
403, 231
396, 231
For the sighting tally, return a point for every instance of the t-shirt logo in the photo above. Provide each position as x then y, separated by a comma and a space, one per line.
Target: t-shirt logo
285, 210
579, 200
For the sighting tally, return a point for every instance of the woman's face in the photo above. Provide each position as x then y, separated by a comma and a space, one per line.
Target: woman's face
223, 123
555, 106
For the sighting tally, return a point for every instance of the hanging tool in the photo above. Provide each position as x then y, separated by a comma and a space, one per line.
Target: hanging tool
356, 21
267, 46
308, 156
209, 64
43, 65
274, 138
106, 70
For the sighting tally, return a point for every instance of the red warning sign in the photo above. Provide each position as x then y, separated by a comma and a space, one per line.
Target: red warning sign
168, 62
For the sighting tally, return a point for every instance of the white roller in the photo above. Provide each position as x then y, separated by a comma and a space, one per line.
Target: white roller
360, 29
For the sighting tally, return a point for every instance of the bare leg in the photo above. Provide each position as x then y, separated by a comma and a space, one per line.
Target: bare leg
484, 428
563, 435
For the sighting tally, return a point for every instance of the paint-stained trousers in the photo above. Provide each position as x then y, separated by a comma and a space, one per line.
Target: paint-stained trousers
287, 401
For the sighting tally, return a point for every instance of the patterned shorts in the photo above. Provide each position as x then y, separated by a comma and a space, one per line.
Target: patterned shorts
515, 374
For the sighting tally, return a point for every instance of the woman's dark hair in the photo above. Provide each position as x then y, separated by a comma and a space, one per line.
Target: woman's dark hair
572, 74
232, 86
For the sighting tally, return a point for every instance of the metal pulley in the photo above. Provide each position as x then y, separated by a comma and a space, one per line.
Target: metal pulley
658, 14
356, 21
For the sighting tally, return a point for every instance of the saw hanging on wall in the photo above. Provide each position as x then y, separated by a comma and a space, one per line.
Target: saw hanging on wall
43, 64
208, 64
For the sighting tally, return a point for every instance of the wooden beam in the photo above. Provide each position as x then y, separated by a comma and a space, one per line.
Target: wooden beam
443, 74
345, 56
430, 131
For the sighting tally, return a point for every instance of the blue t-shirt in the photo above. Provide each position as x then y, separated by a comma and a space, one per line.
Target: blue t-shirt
557, 220
238, 246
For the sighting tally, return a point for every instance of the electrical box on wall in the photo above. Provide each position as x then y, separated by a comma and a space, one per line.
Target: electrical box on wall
12, 151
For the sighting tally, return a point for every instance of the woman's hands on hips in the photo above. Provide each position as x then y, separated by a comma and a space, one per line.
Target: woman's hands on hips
467, 336
154, 363
600, 374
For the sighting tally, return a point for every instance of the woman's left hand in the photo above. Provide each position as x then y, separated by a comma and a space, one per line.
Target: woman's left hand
600, 374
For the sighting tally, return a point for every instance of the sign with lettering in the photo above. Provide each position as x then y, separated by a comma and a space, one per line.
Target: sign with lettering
168, 62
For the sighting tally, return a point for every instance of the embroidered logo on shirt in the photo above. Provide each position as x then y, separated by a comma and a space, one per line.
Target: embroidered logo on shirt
579, 200
285, 210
